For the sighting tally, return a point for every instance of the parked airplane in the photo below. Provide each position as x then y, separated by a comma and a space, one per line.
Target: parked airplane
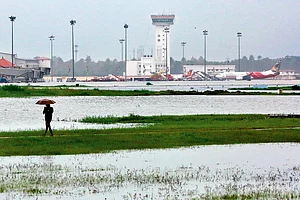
274, 71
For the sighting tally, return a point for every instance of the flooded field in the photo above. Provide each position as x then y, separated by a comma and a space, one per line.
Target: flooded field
24, 114
183, 173
176, 85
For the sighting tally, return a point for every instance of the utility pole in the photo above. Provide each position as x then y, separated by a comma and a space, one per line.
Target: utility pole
166, 30
51, 37
239, 35
73, 22
126, 43
205, 33
12, 19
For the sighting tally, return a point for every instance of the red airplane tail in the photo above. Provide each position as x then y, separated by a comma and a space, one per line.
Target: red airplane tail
188, 74
276, 67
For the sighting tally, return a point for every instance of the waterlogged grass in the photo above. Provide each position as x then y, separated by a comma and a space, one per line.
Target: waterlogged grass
186, 181
28, 91
161, 132
294, 87
182, 182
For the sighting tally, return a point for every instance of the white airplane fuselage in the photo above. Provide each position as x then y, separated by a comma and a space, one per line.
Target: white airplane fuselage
274, 71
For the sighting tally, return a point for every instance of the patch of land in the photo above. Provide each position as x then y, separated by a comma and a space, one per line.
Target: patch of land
160, 132
63, 90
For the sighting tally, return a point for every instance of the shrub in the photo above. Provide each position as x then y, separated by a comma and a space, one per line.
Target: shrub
295, 87
14, 88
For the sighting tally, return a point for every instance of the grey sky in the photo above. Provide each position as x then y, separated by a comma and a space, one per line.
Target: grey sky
270, 28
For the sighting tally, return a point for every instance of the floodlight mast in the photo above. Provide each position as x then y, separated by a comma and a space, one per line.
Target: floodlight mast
12, 19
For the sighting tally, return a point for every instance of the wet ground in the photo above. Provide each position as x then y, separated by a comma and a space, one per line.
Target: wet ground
24, 114
181, 173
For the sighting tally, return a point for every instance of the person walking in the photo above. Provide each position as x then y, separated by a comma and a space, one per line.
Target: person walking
48, 110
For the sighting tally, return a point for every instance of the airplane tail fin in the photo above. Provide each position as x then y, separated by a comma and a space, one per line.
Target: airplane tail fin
189, 73
276, 67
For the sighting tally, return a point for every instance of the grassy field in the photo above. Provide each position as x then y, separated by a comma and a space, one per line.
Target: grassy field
161, 132
294, 87
28, 91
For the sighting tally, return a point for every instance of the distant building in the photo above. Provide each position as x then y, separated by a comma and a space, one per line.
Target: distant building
287, 75
146, 65
7, 56
211, 70
162, 38
25, 69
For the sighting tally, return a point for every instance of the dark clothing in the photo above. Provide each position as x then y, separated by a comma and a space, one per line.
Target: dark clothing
48, 117
48, 113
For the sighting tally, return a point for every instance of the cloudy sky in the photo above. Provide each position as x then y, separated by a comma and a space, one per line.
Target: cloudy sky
270, 28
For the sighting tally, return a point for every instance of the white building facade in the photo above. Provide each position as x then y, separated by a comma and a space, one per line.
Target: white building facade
162, 25
160, 62
211, 70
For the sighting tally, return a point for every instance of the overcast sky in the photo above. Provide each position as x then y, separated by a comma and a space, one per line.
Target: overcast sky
270, 28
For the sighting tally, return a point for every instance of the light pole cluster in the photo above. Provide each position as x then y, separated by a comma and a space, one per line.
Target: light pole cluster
51, 37
125, 28
125, 40
239, 35
205, 33
12, 19
73, 22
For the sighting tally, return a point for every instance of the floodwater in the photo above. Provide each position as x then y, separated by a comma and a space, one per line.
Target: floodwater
182, 173
24, 114
177, 85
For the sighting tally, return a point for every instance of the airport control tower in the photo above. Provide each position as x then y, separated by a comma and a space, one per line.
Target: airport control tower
162, 25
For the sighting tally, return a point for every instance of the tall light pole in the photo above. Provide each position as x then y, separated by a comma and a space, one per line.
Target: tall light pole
12, 19
121, 41
126, 27
51, 37
166, 30
73, 22
183, 44
205, 33
239, 35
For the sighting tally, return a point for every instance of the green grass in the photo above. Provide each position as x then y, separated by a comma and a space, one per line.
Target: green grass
294, 87
163, 132
29, 91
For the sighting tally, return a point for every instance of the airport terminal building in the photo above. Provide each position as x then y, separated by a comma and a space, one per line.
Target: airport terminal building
211, 70
28, 70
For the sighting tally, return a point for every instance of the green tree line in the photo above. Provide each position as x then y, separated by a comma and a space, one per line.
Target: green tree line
89, 67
